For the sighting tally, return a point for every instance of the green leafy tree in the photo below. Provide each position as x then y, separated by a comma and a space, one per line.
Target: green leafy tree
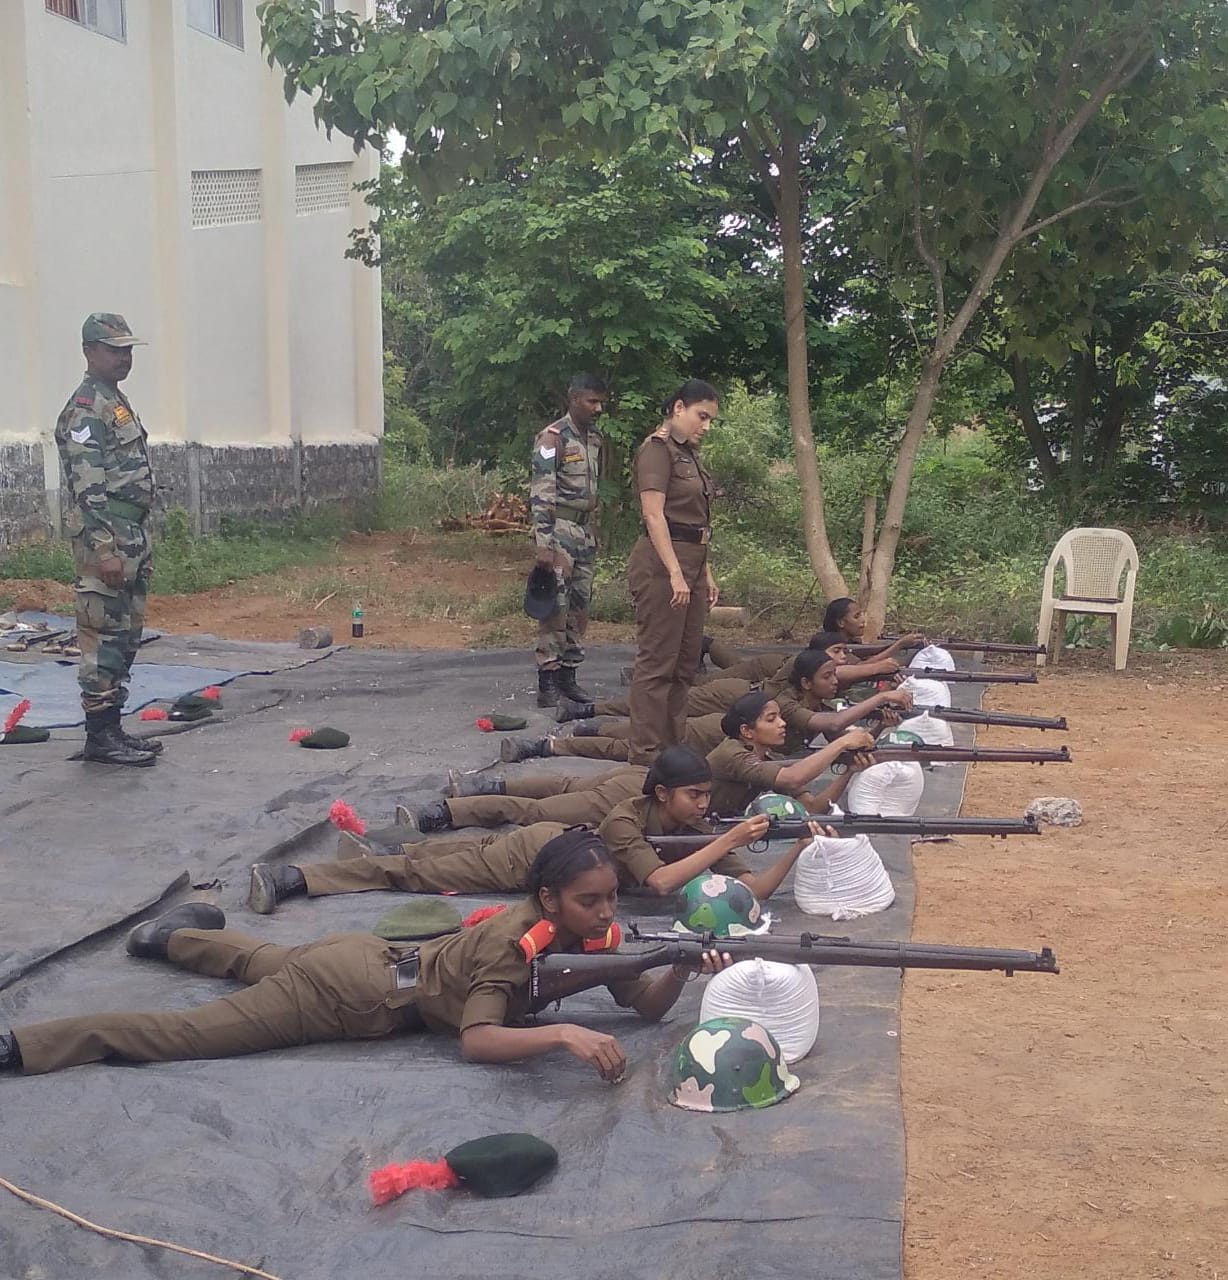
967, 125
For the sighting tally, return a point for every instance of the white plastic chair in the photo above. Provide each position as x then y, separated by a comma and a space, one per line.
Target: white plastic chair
1094, 561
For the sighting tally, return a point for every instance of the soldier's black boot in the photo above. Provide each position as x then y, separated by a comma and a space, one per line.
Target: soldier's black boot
152, 745
568, 687
586, 729
10, 1054
574, 709
270, 885
547, 688
435, 816
148, 941
476, 784
105, 744
514, 750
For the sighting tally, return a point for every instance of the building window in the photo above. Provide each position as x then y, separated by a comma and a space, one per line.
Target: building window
221, 18
225, 197
104, 16
321, 188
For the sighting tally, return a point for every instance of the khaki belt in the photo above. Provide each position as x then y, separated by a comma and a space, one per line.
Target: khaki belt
129, 510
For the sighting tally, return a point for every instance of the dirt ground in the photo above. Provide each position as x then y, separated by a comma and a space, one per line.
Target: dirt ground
1075, 1125
1057, 1127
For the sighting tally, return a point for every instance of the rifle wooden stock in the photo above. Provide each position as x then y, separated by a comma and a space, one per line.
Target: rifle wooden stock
923, 753
852, 824
951, 644
971, 677
1006, 718
554, 977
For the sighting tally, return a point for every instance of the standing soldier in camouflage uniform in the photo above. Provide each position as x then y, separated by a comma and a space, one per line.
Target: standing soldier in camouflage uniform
106, 468
566, 463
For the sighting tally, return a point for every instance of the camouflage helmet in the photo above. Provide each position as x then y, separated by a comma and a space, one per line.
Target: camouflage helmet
718, 904
729, 1064
774, 804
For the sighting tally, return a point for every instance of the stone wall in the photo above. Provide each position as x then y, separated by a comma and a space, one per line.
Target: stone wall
24, 512
210, 482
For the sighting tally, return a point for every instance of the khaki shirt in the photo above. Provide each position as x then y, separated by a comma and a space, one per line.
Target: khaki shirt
626, 831
665, 466
738, 776
704, 733
480, 976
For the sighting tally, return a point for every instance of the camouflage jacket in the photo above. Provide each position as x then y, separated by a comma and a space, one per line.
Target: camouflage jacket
566, 463
105, 459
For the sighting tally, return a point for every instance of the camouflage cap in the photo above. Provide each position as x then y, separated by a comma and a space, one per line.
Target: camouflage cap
105, 326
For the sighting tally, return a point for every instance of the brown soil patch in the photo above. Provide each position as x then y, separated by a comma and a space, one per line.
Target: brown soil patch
1074, 1126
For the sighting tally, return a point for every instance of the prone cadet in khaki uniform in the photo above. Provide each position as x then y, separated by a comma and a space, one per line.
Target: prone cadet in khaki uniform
604, 740
673, 800
355, 986
105, 460
563, 498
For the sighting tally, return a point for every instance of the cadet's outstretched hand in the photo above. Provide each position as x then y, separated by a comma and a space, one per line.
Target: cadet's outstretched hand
597, 1049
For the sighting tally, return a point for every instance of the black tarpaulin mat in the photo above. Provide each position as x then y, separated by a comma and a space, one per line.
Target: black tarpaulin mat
264, 1159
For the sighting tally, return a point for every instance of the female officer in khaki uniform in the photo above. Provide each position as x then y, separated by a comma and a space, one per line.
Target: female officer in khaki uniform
355, 986
670, 579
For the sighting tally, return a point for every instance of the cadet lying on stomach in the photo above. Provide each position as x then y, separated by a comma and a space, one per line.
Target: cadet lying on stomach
356, 986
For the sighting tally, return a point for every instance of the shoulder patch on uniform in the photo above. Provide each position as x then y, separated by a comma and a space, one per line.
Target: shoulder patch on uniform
122, 415
86, 402
546, 453
80, 436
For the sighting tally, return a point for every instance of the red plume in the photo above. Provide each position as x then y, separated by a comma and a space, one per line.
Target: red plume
153, 713
396, 1179
486, 724
13, 718
344, 818
483, 913
212, 692
297, 735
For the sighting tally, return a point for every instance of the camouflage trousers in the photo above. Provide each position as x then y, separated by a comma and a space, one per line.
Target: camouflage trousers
110, 619
560, 637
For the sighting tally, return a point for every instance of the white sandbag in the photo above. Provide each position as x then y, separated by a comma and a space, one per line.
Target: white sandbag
927, 693
935, 656
930, 729
891, 789
784, 998
843, 878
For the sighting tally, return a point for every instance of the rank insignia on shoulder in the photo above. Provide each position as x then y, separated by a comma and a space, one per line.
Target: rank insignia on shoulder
546, 453
80, 436
542, 934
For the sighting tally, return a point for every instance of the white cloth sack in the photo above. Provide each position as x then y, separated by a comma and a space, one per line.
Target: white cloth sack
889, 790
930, 729
933, 656
927, 693
843, 878
784, 998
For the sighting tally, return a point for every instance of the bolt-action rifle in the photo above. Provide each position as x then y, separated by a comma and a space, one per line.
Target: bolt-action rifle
971, 677
1009, 719
851, 824
556, 976
951, 644
923, 753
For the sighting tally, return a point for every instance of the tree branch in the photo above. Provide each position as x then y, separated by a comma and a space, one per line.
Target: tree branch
753, 149
916, 138
1099, 201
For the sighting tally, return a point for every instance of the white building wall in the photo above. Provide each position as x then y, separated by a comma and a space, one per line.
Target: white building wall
261, 333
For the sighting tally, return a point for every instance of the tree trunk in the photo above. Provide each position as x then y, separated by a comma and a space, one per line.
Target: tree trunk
1081, 410
814, 524
1025, 404
883, 563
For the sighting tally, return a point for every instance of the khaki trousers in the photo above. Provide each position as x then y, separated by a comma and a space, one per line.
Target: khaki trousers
583, 801
670, 642
755, 669
701, 699
340, 988
485, 864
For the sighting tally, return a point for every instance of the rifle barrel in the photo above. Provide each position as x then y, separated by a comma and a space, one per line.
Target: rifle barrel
924, 754
953, 645
880, 824
1008, 719
971, 677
